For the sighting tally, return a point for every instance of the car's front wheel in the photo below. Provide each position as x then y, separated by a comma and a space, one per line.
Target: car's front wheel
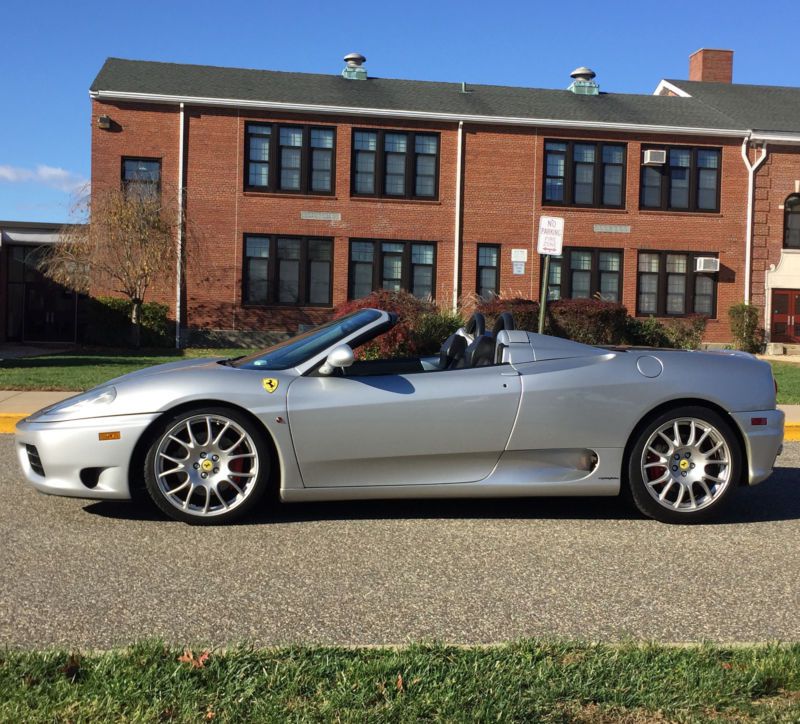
684, 465
207, 466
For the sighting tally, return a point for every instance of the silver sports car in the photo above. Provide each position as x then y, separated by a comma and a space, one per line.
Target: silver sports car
496, 413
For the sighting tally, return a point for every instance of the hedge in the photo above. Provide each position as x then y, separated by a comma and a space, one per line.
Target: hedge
108, 323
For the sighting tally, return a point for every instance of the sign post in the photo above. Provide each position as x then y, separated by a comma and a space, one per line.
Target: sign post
551, 242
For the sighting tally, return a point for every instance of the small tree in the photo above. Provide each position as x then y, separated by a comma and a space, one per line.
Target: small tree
747, 334
126, 244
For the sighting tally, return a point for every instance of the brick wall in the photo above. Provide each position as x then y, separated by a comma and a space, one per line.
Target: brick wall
502, 200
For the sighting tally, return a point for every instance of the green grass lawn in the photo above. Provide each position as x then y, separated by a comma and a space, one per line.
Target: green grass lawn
83, 369
525, 681
787, 375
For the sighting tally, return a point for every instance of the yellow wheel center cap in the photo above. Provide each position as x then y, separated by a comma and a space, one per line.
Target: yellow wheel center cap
684, 464
207, 465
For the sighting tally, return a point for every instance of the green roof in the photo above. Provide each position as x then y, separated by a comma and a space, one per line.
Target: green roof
755, 107
238, 85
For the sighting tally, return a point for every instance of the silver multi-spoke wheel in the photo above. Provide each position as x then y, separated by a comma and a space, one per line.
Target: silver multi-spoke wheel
683, 464
686, 464
205, 465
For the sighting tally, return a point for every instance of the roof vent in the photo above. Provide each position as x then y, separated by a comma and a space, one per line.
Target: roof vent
353, 69
583, 82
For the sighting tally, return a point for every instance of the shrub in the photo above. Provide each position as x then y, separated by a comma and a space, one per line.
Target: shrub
109, 324
645, 332
685, 333
747, 335
590, 321
421, 328
525, 311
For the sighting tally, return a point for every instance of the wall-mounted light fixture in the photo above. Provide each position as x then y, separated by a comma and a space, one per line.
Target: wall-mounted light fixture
104, 123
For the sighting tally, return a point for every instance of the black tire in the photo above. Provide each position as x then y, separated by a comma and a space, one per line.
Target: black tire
233, 480
666, 491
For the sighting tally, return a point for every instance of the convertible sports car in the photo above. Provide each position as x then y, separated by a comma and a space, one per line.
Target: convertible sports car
505, 413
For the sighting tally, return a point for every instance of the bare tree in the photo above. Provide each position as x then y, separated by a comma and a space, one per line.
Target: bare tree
125, 244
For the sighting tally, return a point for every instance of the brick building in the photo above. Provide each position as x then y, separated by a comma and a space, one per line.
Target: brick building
302, 191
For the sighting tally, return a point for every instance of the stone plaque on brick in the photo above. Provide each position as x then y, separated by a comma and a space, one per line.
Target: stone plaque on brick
612, 228
321, 215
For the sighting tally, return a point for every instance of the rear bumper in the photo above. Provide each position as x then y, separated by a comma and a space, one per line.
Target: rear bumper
763, 442
74, 460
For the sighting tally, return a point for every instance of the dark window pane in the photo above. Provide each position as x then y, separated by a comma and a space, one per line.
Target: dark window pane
648, 293
321, 169
613, 154
290, 168
676, 294
426, 144
679, 188
421, 254
362, 254
319, 282
258, 174
584, 183
395, 184
365, 141
612, 186
555, 164
583, 153
554, 189
487, 256
321, 138
707, 189
138, 169
365, 172
581, 284
487, 282
289, 270
651, 185
422, 282
396, 142
609, 286
703, 295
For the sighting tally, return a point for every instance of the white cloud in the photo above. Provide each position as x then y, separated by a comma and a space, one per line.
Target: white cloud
57, 178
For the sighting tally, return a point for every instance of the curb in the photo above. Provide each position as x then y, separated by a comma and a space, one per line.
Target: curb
791, 431
9, 420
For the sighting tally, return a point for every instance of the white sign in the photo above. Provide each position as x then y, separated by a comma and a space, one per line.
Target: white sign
518, 266
519, 255
551, 235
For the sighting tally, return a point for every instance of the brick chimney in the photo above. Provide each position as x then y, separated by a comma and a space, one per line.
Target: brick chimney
711, 66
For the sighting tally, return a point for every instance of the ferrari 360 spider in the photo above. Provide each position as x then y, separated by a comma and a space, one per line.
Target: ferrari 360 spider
496, 413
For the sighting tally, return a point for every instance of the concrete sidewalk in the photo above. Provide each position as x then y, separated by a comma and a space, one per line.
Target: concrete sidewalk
15, 405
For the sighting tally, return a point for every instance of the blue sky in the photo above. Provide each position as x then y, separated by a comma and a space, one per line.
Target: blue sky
51, 52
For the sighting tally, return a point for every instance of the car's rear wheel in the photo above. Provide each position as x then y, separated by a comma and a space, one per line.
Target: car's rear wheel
207, 466
684, 465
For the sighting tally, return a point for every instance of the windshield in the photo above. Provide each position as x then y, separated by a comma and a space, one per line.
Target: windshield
297, 350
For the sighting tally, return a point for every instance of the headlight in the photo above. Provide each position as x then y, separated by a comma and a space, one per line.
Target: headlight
84, 403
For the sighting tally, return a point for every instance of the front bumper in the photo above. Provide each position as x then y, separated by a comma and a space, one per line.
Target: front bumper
763, 442
74, 460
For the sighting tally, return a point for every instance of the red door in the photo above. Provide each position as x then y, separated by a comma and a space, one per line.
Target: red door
785, 326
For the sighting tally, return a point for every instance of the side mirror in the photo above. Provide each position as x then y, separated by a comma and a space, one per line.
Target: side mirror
341, 356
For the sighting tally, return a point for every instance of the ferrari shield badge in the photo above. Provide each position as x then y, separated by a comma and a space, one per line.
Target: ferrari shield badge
270, 384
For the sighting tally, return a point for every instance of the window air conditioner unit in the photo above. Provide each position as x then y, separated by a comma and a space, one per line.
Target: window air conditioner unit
655, 157
706, 264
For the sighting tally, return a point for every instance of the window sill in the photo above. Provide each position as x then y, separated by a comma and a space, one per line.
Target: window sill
594, 209
666, 317
283, 195
693, 214
274, 307
382, 199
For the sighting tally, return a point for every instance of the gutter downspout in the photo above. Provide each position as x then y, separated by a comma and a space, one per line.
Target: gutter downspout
457, 224
751, 182
179, 262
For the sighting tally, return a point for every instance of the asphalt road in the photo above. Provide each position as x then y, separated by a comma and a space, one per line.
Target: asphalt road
95, 574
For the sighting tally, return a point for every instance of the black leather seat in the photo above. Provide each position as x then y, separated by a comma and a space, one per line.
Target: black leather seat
481, 352
452, 352
504, 321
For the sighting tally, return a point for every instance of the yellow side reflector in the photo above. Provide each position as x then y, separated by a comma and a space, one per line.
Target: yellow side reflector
108, 435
